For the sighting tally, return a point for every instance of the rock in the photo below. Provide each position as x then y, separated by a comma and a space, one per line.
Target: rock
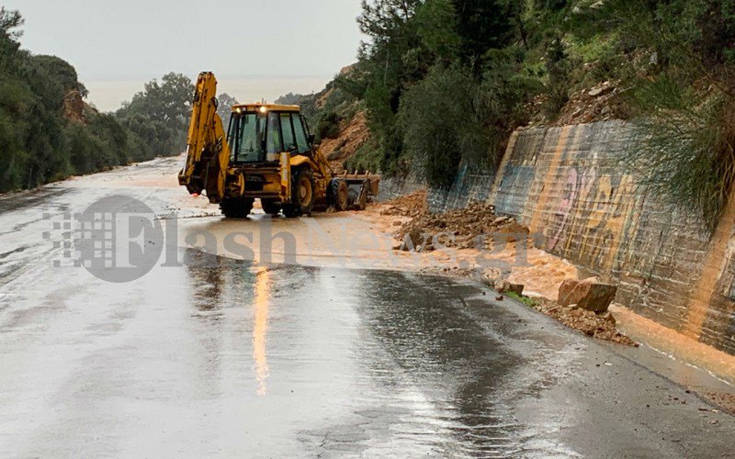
589, 294
609, 317
503, 286
598, 91
492, 275
499, 298
597, 4
412, 240
565, 291
517, 289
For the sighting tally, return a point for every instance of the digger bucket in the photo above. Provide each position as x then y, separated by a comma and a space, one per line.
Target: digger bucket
360, 188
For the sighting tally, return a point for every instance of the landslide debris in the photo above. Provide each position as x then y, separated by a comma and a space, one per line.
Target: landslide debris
353, 133
411, 205
600, 326
588, 294
475, 226
461, 228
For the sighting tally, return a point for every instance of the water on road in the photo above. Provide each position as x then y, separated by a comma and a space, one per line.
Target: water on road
222, 357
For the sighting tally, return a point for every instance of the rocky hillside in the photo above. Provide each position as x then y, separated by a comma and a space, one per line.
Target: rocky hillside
338, 120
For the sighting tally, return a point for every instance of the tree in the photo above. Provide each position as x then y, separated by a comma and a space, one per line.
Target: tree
10, 21
159, 114
225, 102
437, 24
484, 25
39, 144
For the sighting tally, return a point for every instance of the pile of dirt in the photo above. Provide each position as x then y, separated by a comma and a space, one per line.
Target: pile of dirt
600, 326
412, 205
462, 228
724, 400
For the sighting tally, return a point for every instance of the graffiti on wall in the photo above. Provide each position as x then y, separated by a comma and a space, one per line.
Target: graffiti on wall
566, 183
590, 216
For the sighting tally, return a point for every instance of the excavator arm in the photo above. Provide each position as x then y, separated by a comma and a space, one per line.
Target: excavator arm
207, 151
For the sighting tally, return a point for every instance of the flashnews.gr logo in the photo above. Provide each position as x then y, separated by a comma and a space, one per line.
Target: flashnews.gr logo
116, 239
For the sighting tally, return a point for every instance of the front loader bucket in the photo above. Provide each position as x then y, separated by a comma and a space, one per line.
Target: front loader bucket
360, 188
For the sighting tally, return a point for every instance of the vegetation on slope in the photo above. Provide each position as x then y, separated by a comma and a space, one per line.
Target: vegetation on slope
48, 132
446, 81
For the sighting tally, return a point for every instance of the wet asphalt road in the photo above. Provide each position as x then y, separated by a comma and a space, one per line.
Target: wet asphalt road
221, 357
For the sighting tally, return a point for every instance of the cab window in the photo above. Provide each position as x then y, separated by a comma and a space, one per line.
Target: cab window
289, 143
231, 129
301, 142
250, 135
273, 144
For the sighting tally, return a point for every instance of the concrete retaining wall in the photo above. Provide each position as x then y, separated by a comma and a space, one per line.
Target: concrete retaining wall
470, 185
567, 183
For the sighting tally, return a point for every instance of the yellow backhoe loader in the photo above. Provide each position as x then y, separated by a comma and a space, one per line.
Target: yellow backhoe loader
267, 154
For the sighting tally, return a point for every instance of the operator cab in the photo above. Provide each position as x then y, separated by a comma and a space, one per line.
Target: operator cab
259, 133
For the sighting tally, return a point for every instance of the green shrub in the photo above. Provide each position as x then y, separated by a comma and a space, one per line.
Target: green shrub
433, 114
366, 158
328, 126
451, 116
687, 151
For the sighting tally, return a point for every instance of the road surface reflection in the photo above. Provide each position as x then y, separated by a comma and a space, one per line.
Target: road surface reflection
260, 329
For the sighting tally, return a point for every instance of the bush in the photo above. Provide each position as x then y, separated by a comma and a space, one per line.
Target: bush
38, 144
450, 116
328, 126
159, 115
688, 146
432, 115
558, 69
366, 158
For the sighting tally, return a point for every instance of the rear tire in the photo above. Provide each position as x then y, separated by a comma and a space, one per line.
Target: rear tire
302, 194
271, 206
236, 207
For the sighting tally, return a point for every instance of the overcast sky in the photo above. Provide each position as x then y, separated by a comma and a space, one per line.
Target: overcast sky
137, 40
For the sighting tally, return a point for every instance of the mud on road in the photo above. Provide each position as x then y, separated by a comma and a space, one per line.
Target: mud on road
324, 343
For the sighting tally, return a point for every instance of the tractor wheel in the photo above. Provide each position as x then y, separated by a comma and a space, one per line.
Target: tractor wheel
338, 194
302, 191
236, 207
271, 206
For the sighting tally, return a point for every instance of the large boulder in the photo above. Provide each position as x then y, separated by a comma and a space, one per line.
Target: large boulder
588, 294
